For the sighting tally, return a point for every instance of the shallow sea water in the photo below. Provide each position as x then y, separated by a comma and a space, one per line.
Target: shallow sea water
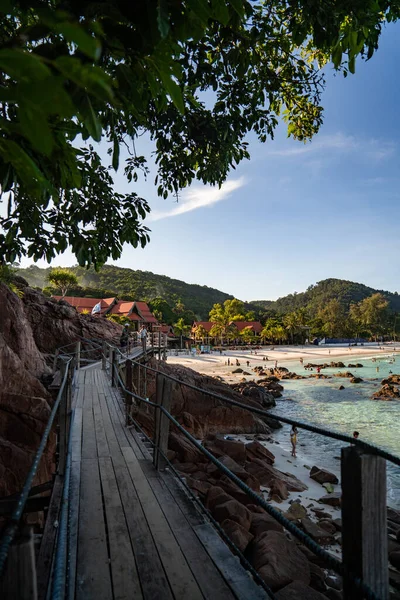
320, 402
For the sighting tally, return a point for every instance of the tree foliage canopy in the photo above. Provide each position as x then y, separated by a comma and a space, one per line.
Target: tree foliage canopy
62, 279
74, 72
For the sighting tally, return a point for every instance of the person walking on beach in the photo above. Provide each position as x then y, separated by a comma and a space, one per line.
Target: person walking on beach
293, 440
355, 435
143, 337
276, 364
229, 362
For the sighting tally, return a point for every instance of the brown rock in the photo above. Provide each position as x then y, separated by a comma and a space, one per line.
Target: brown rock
238, 470
356, 380
258, 393
234, 491
234, 449
279, 489
319, 535
311, 557
393, 515
185, 450
387, 392
298, 591
334, 499
327, 525
201, 487
234, 511
323, 476
257, 450
296, 512
261, 522
317, 581
338, 524
266, 473
239, 536
278, 560
321, 514
215, 496
191, 424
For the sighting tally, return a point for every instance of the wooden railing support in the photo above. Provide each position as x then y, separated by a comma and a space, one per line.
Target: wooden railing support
161, 421
78, 355
364, 523
19, 581
103, 356
129, 387
63, 422
113, 355
159, 345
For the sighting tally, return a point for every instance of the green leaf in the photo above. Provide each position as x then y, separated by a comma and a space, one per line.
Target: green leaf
73, 32
19, 64
220, 11
115, 157
163, 18
174, 91
90, 119
201, 9
352, 64
238, 6
36, 128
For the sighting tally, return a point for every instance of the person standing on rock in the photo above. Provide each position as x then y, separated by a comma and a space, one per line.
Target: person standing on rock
143, 337
293, 440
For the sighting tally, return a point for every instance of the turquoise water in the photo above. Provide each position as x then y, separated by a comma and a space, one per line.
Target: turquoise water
321, 402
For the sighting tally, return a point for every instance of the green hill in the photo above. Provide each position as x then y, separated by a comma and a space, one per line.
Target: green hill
316, 296
134, 285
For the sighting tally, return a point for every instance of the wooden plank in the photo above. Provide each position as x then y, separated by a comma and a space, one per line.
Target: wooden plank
123, 567
19, 581
49, 536
113, 443
89, 446
73, 524
93, 577
178, 572
238, 579
192, 513
76, 435
364, 534
101, 438
206, 573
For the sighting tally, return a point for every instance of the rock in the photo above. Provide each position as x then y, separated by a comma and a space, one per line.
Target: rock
394, 558
392, 379
341, 387
233, 511
347, 374
319, 535
201, 487
387, 392
239, 370
257, 450
215, 496
327, 525
238, 470
321, 514
220, 446
356, 380
279, 490
337, 365
298, 591
317, 581
238, 534
191, 424
311, 557
338, 524
265, 473
256, 392
296, 512
333, 594
332, 499
261, 522
278, 560
184, 449
334, 581
323, 476
329, 487
393, 515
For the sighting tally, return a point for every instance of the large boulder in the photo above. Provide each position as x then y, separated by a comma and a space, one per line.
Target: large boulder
215, 496
219, 446
262, 521
257, 450
278, 491
266, 473
334, 499
323, 476
278, 560
234, 511
185, 450
237, 469
256, 392
319, 535
299, 591
387, 392
238, 534
191, 424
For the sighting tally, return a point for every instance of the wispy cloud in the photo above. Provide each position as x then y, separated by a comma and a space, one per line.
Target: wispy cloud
339, 142
199, 197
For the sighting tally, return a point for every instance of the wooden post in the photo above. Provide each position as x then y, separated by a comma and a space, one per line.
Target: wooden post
78, 355
138, 380
161, 421
159, 345
63, 424
112, 359
364, 523
129, 387
19, 581
103, 357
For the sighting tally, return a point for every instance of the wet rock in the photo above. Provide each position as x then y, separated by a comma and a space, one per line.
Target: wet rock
337, 365
356, 380
392, 379
341, 387
355, 366
298, 591
238, 534
334, 499
319, 535
323, 476
278, 560
256, 392
387, 392
347, 374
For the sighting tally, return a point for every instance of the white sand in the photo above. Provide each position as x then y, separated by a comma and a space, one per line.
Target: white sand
214, 363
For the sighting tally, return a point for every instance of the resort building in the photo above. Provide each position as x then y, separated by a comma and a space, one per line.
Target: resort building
254, 326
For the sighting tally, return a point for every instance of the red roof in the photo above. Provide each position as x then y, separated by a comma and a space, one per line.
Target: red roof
145, 312
254, 325
206, 324
87, 303
122, 308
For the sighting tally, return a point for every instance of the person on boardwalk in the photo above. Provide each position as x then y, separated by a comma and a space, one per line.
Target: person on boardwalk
293, 440
143, 337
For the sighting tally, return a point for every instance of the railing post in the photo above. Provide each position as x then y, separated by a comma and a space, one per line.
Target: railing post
129, 386
159, 345
364, 523
63, 423
78, 355
161, 421
103, 356
19, 581
113, 361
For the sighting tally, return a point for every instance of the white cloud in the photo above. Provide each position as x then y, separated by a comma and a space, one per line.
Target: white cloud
199, 197
339, 142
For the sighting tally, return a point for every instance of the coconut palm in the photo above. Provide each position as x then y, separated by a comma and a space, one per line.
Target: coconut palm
181, 329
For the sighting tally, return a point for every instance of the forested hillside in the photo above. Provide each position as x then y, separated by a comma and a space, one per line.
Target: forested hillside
134, 285
318, 295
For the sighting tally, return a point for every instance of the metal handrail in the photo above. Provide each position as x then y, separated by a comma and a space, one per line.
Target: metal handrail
12, 528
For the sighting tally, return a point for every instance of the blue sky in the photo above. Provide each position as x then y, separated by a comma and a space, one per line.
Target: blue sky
294, 214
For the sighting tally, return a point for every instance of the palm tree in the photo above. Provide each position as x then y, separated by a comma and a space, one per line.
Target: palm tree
200, 332
181, 328
290, 322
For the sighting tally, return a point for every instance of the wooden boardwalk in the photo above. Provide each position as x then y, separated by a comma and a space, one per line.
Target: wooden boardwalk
134, 533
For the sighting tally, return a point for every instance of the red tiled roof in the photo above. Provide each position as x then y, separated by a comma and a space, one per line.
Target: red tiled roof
145, 312
206, 324
121, 308
255, 325
86, 303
